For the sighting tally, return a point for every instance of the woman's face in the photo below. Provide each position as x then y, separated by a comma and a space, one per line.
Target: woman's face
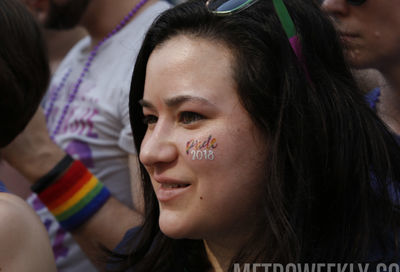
204, 155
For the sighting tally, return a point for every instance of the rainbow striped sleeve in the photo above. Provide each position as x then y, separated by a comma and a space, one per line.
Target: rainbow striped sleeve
75, 196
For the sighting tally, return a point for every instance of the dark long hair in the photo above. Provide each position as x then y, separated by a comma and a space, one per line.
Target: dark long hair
24, 70
331, 177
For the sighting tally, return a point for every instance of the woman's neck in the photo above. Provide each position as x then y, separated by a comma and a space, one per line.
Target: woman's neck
223, 248
219, 256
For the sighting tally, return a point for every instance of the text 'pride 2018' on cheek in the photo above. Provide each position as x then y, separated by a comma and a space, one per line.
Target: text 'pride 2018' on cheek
200, 150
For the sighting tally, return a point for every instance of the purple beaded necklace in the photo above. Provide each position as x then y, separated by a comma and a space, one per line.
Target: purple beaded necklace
85, 70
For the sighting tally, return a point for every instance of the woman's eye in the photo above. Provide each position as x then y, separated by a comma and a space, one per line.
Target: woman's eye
150, 119
188, 117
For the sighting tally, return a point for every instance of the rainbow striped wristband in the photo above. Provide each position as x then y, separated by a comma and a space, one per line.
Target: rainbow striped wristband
74, 197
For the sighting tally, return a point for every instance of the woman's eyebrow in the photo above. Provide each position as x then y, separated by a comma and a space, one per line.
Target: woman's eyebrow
180, 99
176, 101
146, 104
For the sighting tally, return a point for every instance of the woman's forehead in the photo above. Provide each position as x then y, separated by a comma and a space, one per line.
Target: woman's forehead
189, 66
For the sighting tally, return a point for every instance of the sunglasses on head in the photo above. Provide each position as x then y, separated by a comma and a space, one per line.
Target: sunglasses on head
228, 7
351, 2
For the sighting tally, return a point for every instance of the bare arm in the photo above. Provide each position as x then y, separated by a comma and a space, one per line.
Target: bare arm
107, 227
24, 243
33, 154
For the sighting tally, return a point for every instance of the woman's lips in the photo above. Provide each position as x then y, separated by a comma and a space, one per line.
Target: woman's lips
348, 37
169, 191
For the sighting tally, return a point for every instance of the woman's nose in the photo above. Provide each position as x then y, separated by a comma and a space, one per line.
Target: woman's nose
158, 147
336, 8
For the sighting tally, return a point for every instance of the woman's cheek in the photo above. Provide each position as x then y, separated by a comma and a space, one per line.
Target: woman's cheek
202, 149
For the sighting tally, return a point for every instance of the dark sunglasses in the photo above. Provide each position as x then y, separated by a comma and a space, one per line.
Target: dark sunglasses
351, 2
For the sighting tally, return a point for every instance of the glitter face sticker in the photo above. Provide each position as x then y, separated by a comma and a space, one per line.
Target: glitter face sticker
201, 150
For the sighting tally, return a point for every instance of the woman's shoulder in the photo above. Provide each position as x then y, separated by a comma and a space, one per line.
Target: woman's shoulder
13, 213
24, 241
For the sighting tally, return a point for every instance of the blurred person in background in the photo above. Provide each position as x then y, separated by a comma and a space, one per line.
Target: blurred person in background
370, 33
59, 41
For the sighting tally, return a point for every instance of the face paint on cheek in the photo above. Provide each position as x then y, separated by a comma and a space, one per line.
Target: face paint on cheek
201, 150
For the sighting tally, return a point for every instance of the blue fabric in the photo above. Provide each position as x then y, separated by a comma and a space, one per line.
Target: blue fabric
128, 237
131, 240
3, 188
124, 245
372, 98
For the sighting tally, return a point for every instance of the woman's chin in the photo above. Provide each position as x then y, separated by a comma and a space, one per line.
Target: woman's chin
175, 228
